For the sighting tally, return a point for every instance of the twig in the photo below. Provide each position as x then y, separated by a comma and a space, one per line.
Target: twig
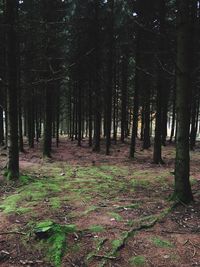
71, 262
12, 233
105, 257
194, 249
173, 232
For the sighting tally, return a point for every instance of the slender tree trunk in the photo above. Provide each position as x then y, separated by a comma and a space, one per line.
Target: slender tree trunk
97, 91
136, 99
173, 118
182, 167
146, 139
48, 122
90, 116
1, 126
110, 76
160, 135
12, 95
124, 94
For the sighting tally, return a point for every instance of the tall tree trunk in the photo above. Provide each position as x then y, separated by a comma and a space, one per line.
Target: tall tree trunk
124, 93
136, 99
12, 95
173, 118
110, 76
182, 167
157, 154
97, 90
48, 122
1, 126
146, 139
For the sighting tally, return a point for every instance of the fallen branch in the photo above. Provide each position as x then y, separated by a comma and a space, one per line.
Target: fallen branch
12, 233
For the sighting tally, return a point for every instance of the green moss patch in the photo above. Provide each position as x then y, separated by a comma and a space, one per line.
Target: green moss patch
53, 238
161, 243
138, 261
116, 216
96, 228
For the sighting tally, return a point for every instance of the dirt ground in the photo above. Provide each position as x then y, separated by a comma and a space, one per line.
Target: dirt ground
120, 207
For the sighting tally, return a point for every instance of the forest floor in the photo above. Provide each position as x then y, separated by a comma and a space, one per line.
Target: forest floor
81, 209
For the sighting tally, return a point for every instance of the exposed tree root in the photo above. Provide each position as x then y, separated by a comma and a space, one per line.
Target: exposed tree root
134, 229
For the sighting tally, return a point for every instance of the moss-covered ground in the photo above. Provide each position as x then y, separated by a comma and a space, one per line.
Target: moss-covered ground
113, 213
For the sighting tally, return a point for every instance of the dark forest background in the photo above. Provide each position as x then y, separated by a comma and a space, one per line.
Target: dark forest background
106, 71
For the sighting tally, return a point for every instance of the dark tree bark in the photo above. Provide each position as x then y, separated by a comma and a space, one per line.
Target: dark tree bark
160, 124
48, 122
90, 115
97, 88
182, 167
146, 110
124, 93
110, 76
136, 99
1, 126
173, 117
12, 95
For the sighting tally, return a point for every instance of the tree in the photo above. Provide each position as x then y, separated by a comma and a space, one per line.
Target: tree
12, 95
182, 166
110, 75
157, 154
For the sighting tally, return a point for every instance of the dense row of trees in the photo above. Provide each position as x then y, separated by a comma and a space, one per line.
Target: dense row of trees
101, 70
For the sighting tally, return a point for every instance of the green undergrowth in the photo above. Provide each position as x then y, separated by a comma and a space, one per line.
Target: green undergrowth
148, 178
77, 183
137, 261
56, 183
116, 216
52, 238
29, 192
161, 243
96, 228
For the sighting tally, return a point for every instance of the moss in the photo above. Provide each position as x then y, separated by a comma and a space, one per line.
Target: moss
137, 261
24, 179
90, 209
131, 206
96, 228
193, 180
9, 205
116, 244
140, 182
114, 170
99, 244
55, 202
55, 243
161, 243
116, 216
93, 172
33, 192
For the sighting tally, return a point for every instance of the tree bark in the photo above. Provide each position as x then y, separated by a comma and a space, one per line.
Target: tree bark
182, 166
12, 95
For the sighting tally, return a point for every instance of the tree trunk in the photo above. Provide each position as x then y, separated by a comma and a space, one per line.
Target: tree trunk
110, 76
12, 95
182, 167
